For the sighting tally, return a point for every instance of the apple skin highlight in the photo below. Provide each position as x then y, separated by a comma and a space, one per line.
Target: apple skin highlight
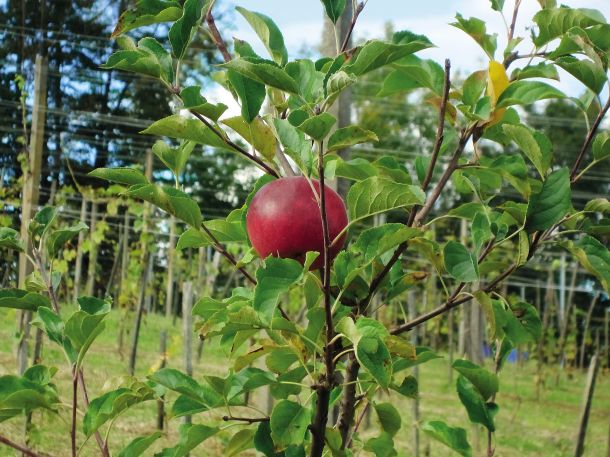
284, 220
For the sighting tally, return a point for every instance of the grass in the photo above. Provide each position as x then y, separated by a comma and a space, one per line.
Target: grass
527, 426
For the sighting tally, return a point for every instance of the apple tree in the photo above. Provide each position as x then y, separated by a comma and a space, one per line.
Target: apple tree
337, 353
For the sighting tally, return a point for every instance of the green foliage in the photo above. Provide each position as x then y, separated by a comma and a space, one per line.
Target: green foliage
334, 9
269, 34
552, 203
452, 437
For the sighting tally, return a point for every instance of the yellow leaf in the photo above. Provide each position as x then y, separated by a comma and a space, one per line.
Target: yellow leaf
496, 84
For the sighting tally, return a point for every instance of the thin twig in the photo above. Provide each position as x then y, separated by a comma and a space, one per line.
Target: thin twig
100, 441
348, 36
25, 450
216, 36
226, 254
46, 279
588, 139
513, 23
249, 420
235, 146
441, 127
74, 405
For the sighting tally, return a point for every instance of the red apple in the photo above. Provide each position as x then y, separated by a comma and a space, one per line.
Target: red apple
284, 220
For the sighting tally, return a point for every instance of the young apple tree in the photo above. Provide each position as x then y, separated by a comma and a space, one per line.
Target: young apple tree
335, 352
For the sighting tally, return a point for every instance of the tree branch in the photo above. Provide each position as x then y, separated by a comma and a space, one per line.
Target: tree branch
100, 442
74, 405
249, 420
588, 139
513, 23
25, 450
352, 24
318, 427
235, 146
216, 36
441, 127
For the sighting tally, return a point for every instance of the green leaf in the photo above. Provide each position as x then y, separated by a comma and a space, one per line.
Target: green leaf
473, 87
497, 5
601, 146
389, 418
460, 263
148, 58
42, 221
263, 71
191, 436
251, 94
484, 381
263, 441
309, 80
240, 442
349, 136
289, 422
381, 446
377, 195
9, 239
540, 70
182, 31
183, 128
294, 143
554, 22
481, 230
374, 356
453, 437
525, 139
526, 93
120, 175
110, 405
169, 199
269, 33
138, 445
84, 326
601, 205
477, 30
23, 394
58, 238
147, 12
225, 232
334, 9
593, 256
22, 299
273, 279
376, 54
318, 127
410, 73
478, 411
408, 387
51, 323
375, 241
194, 101
257, 133
586, 71
552, 203
174, 158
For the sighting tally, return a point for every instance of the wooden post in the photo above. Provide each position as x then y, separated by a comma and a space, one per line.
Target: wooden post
93, 249
171, 254
585, 331
464, 328
586, 407
30, 194
187, 331
144, 271
161, 403
607, 340
78, 267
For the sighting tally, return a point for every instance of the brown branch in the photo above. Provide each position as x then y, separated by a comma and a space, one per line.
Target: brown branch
24, 450
453, 164
318, 426
74, 405
588, 139
451, 303
348, 401
513, 23
249, 420
358, 422
217, 37
441, 127
348, 36
235, 146
100, 442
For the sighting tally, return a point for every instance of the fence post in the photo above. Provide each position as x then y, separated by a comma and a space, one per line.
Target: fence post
586, 407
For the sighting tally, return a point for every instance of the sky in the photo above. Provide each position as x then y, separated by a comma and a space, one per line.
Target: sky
301, 25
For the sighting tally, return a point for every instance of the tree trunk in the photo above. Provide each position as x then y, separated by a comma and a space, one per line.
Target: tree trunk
171, 253
585, 331
586, 407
